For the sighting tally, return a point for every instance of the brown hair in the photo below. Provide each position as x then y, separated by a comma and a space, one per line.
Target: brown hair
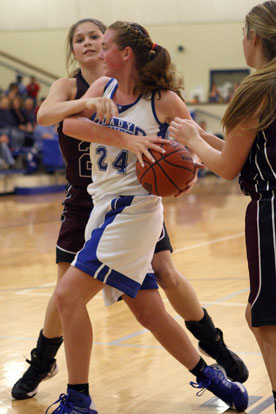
153, 62
259, 89
70, 59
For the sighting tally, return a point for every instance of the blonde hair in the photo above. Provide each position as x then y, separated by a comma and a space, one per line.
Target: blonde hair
153, 62
70, 58
257, 90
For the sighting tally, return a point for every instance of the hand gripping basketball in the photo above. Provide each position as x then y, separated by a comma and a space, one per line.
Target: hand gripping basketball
170, 173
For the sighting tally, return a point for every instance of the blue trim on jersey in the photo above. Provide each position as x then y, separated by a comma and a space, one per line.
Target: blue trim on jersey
108, 83
88, 262
123, 108
163, 126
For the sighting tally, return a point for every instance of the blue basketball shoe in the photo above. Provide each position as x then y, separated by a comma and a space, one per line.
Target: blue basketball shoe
73, 403
233, 394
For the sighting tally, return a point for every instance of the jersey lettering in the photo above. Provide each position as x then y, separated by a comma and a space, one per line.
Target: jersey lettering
85, 165
119, 164
121, 125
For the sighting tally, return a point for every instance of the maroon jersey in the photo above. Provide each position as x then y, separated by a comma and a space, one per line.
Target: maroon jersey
76, 153
259, 171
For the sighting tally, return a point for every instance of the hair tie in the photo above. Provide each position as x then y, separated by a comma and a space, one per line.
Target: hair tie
153, 46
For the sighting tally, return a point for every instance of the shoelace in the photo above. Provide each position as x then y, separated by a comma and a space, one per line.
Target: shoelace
65, 404
203, 384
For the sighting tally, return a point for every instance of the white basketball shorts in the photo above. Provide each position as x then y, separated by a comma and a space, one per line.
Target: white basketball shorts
121, 235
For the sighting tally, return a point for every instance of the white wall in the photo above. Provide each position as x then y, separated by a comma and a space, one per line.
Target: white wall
50, 14
206, 46
209, 30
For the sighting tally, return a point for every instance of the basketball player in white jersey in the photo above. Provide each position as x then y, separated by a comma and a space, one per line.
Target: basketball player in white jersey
111, 259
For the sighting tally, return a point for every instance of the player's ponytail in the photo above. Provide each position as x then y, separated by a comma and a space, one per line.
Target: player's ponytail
153, 62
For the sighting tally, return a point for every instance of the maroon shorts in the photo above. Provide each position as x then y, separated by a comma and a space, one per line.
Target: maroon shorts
77, 208
260, 231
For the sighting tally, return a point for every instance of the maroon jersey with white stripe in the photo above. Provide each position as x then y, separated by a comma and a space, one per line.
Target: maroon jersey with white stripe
75, 152
259, 171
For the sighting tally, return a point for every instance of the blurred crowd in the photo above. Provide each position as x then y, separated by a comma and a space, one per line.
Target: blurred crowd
22, 140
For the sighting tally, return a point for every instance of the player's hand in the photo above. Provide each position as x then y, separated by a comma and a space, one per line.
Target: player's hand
142, 145
105, 108
184, 131
198, 165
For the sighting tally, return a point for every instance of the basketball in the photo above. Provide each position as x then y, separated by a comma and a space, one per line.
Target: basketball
170, 173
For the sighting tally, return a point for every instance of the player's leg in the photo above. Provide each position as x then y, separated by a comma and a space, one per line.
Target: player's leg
52, 324
43, 364
149, 310
77, 207
259, 339
266, 339
72, 294
184, 300
260, 247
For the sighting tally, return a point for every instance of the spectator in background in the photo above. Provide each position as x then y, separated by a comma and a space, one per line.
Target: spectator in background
20, 118
232, 91
21, 87
45, 150
214, 95
33, 89
29, 111
12, 91
9, 126
6, 158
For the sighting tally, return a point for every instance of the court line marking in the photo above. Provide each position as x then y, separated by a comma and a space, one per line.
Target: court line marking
262, 406
209, 242
116, 343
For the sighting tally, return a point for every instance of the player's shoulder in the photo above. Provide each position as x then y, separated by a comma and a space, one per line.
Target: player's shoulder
64, 82
169, 95
99, 85
67, 85
163, 98
168, 104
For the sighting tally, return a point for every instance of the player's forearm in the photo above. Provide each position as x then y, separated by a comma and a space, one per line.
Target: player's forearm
215, 142
86, 130
212, 158
52, 113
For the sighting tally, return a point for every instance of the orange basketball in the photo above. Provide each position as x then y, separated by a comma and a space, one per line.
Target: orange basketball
170, 173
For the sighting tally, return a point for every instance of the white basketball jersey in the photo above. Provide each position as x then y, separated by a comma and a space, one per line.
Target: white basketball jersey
114, 169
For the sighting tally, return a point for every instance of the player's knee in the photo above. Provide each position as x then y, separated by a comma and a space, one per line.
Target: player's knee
147, 320
62, 300
167, 277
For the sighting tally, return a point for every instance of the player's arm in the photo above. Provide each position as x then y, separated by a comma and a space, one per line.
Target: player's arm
59, 102
82, 128
171, 105
227, 162
215, 142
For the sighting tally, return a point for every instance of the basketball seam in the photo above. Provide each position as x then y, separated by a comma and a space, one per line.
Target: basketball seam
152, 166
164, 172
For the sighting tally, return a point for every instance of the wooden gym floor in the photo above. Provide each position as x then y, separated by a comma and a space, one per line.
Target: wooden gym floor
130, 372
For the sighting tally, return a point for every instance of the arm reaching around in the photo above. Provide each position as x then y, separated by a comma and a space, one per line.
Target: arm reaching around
226, 161
86, 130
